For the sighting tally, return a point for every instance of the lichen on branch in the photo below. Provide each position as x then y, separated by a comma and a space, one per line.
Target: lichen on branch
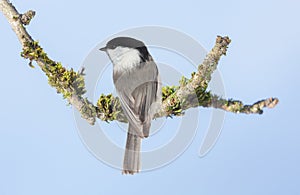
66, 82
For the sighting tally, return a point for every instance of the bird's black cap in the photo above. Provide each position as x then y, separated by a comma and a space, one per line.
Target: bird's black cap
130, 43
123, 42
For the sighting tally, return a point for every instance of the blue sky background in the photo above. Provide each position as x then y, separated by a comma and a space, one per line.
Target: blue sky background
42, 153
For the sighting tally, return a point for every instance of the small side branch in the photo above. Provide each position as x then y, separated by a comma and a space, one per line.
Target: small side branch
192, 92
237, 106
26, 18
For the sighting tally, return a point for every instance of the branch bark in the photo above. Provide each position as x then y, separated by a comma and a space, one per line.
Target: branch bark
192, 92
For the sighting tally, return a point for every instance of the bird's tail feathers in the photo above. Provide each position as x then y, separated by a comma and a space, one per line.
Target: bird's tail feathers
132, 162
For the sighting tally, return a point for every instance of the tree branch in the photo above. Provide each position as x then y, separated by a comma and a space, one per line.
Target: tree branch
54, 70
191, 93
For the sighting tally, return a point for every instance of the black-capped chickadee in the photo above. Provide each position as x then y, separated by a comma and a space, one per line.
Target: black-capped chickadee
136, 80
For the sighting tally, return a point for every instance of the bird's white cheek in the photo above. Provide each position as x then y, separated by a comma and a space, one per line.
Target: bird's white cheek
124, 59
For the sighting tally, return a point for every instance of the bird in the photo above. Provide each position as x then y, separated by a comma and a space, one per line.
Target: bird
137, 83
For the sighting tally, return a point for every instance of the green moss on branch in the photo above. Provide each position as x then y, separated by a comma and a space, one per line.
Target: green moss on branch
66, 82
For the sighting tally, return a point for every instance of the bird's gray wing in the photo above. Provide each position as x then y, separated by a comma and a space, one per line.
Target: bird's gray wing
137, 91
127, 102
146, 94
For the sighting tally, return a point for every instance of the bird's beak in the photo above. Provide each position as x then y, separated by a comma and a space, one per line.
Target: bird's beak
103, 49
